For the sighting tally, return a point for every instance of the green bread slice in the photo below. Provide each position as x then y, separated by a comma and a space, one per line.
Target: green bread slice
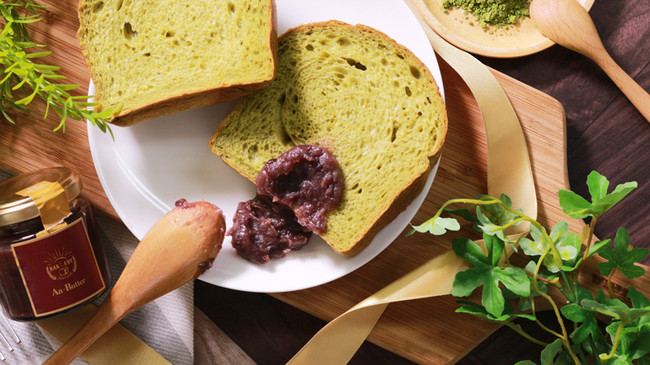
160, 57
357, 92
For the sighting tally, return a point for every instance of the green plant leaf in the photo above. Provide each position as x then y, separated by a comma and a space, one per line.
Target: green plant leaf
612, 307
608, 201
596, 247
626, 342
469, 251
587, 320
566, 243
515, 279
577, 207
569, 246
550, 352
534, 247
574, 205
597, 185
438, 226
487, 273
525, 304
640, 346
622, 257
616, 309
638, 300
645, 360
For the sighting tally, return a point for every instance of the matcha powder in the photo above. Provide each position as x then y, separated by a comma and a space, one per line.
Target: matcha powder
497, 13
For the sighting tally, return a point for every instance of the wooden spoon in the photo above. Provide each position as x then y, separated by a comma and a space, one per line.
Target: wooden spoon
567, 23
178, 248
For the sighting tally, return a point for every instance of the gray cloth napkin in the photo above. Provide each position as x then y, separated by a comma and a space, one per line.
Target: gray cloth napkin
166, 324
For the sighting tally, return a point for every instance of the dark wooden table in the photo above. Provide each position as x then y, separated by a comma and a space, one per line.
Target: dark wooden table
605, 133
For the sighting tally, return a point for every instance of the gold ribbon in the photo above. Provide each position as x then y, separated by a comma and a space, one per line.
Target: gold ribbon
509, 171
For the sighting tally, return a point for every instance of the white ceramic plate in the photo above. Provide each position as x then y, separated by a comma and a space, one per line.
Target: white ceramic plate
152, 164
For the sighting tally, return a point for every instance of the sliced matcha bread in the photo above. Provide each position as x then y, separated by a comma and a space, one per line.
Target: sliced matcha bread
367, 99
158, 57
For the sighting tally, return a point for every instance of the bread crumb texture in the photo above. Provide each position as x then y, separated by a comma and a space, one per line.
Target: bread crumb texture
357, 92
140, 52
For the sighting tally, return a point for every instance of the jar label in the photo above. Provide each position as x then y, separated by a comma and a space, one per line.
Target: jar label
59, 270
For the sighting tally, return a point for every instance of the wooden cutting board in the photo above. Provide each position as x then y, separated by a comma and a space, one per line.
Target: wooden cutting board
425, 331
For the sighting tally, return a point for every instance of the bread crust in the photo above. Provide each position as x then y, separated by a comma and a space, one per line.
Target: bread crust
399, 204
179, 102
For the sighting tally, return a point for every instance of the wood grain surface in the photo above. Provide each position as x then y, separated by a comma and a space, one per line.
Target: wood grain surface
603, 131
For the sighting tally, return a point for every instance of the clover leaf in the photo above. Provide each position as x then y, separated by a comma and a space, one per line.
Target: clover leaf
587, 319
487, 273
553, 354
588, 325
437, 226
622, 257
534, 247
525, 304
493, 217
566, 243
578, 207
593, 249
638, 300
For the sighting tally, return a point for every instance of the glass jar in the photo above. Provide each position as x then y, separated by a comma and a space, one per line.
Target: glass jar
51, 258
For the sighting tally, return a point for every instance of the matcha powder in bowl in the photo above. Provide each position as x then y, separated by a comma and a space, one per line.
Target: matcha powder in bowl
498, 13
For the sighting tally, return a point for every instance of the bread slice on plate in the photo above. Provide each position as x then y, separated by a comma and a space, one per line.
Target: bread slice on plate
357, 92
160, 57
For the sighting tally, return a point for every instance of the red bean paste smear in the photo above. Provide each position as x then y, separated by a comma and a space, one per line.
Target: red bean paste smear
307, 179
295, 191
263, 230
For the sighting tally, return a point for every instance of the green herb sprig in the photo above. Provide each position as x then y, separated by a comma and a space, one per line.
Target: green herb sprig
556, 258
22, 79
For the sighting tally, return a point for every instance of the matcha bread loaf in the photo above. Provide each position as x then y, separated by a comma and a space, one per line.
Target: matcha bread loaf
357, 92
160, 57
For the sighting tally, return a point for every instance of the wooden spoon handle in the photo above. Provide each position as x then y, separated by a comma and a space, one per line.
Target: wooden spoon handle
568, 24
634, 92
106, 317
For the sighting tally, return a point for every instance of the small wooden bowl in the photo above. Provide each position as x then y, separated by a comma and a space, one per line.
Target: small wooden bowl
465, 32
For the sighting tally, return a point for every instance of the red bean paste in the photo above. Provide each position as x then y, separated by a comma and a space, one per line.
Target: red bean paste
307, 179
183, 203
263, 230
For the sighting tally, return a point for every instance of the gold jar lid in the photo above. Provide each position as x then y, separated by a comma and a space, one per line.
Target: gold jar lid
15, 208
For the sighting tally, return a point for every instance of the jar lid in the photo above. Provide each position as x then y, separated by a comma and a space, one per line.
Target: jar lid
15, 208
